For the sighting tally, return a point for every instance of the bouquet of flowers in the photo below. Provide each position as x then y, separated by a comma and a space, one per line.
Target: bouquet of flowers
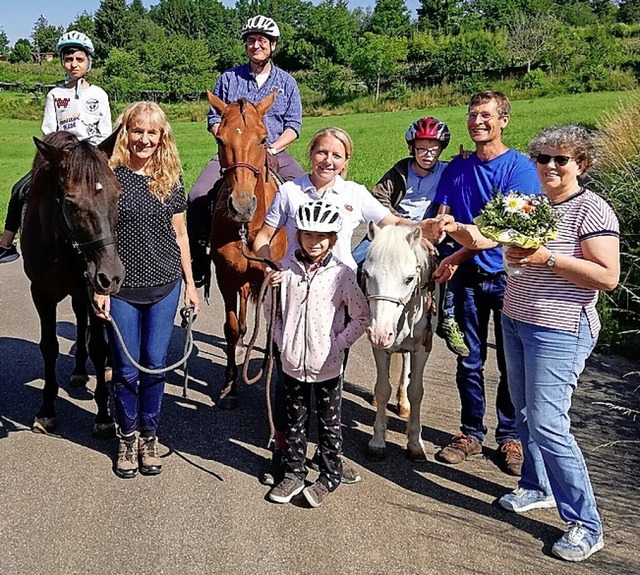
516, 219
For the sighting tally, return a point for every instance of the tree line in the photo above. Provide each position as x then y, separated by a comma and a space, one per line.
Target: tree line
177, 48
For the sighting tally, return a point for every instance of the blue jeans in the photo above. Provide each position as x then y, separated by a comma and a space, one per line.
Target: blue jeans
146, 330
476, 296
543, 366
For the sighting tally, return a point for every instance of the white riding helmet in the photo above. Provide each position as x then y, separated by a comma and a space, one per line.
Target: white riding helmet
75, 39
261, 25
319, 216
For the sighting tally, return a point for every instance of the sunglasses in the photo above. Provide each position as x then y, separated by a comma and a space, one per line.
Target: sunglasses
558, 160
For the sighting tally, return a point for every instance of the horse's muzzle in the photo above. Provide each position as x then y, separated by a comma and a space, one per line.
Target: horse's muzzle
242, 207
380, 339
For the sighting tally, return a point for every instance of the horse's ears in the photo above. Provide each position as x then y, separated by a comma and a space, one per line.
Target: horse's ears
415, 235
218, 105
51, 153
372, 230
264, 105
107, 145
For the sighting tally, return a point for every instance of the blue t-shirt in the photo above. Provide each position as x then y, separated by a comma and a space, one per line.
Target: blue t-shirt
467, 185
239, 82
417, 204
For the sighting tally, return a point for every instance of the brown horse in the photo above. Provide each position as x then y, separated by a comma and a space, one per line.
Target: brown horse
248, 191
68, 245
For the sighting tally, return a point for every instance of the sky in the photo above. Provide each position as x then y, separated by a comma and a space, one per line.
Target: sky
17, 17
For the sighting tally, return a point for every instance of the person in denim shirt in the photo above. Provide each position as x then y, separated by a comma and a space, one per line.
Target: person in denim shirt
252, 81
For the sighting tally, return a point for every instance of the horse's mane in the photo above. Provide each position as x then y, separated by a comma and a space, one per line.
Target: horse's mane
82, 159
390, 239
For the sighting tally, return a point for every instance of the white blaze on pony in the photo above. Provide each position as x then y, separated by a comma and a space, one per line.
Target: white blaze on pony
397, 276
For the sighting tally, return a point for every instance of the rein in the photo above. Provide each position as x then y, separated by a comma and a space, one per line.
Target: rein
268, 359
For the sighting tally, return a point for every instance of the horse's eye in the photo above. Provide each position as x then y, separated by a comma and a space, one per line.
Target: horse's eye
409, 280
263, 141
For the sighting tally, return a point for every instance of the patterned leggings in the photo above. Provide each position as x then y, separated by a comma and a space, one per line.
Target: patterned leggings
328, 407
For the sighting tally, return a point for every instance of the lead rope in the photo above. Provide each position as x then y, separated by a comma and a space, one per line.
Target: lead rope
268, 359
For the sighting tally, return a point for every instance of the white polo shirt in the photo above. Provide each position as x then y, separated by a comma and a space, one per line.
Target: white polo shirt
356, 204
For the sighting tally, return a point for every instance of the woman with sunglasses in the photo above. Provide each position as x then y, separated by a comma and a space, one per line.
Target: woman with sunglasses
550, 326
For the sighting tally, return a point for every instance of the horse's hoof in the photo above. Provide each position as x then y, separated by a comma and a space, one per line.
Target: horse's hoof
416, 455
403, 412
376, 453
44, 425
104, 430
228, 402
79, 380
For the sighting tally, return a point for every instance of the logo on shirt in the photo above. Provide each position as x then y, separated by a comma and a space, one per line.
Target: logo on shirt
91, 105
348, 207
62, 102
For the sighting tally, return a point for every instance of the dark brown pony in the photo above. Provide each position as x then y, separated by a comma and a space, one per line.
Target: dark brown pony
68, 245
247, 193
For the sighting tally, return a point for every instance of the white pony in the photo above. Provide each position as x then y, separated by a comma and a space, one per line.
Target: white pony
397, 276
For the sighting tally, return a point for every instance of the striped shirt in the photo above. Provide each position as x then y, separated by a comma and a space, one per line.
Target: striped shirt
540, 296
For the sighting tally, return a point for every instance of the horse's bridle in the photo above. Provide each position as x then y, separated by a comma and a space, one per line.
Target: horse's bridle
256, 171
402, 301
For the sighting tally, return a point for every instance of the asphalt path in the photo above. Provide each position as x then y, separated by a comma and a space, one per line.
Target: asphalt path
63, 510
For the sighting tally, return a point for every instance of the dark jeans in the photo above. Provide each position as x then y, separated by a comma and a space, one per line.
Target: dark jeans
328, 407
476, 297
146, 330
19, 193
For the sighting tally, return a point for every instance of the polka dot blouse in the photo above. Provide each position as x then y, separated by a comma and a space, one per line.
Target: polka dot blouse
146, 239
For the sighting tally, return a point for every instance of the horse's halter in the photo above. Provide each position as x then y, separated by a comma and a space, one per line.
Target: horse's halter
251, 168
403, 302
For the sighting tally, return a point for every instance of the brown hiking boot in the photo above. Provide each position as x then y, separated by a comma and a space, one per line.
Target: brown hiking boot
509, 457
150, 462
459, 448
127, 463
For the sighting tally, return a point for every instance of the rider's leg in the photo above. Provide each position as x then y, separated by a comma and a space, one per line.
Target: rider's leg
288, 167
13, 219
199, 219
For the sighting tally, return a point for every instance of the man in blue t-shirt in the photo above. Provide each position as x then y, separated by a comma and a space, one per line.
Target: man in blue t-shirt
479, 283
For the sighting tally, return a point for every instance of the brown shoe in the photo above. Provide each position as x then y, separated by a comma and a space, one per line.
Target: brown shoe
509, 457
127, 463
459, 448
150, 462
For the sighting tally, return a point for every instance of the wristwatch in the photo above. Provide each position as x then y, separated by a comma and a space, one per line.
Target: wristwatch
272, 150
552, 259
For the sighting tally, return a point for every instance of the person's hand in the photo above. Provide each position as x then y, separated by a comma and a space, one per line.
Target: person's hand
448, 222
275, 277
521, 257
102, 306
429, 246
465, 154
433, 229
192, 298
444, 272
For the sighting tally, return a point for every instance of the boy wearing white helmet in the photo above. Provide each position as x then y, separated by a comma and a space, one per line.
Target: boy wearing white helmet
77, 107
252, 81
321, 313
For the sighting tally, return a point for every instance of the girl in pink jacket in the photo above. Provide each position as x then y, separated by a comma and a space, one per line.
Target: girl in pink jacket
322, 312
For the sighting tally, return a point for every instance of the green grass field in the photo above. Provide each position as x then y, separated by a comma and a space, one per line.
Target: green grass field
378, 138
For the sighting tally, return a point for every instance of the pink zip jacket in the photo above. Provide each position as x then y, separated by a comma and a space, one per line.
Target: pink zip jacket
312, 330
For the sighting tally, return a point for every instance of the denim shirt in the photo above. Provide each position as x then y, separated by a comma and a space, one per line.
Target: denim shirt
239, 82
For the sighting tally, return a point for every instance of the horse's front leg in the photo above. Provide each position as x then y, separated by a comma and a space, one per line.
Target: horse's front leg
415, 391
229, 394
80, 377
377, 446
399, 371
103, 425
245, 292
46, 420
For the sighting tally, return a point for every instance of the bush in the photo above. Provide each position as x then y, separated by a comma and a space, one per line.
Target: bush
533, 80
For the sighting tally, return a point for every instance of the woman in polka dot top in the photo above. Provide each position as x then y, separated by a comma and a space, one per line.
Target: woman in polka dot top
153, 246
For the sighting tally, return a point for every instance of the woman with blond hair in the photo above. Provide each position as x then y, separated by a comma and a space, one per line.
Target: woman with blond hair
153, 246
329, 152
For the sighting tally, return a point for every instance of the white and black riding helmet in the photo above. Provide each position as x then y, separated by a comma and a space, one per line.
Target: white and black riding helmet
319, 216
261, 25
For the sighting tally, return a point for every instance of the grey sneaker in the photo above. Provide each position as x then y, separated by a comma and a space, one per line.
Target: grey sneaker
150, 462
349, 473
521, 500
577, 543
9, 254
449, 331
286, 490
127, 463
316, 494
